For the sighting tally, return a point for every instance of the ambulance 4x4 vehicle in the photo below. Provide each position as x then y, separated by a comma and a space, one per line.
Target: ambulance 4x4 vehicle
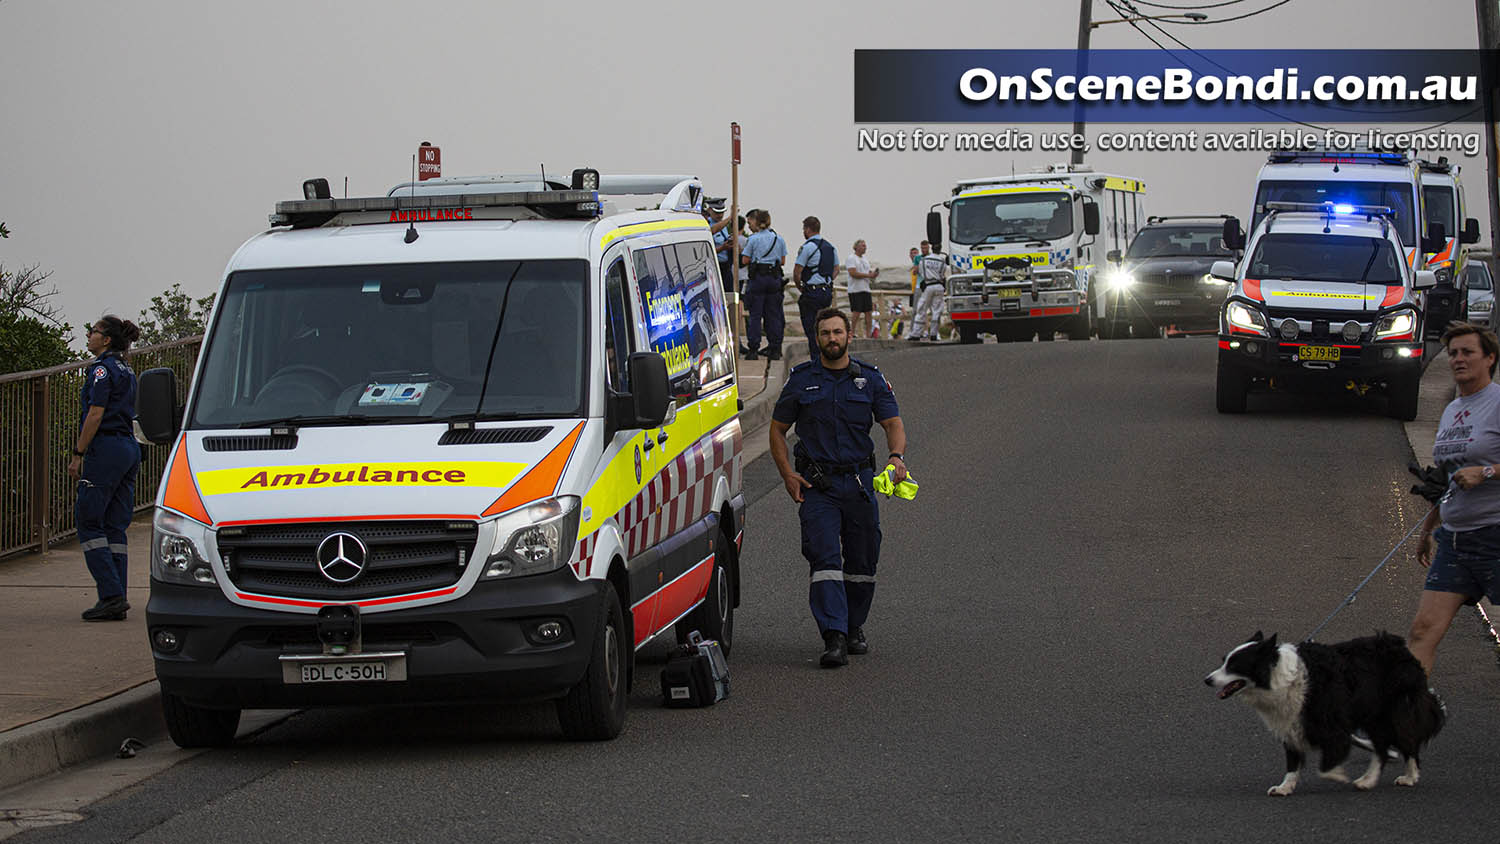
1323, 299
1023, 249
474, 442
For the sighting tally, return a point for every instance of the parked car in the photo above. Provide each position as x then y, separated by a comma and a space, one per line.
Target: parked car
1481, 291
1163, 284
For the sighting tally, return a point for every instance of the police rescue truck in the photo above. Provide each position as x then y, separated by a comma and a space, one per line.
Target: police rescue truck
476, 440
1443, 196
1024, 249
1324, 299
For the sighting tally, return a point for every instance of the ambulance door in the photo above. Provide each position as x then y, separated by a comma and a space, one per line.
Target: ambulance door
666, 294
629, 450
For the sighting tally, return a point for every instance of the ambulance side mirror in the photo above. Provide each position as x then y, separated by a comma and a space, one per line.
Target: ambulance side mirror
1234, 236
1425, 280
935, 230
1471, 230
1222, 270
1090, 217
156, 407
650, 391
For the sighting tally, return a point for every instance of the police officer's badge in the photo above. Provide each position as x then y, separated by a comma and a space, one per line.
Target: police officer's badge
860, 382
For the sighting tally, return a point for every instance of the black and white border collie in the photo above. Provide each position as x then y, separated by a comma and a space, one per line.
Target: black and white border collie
1315, 696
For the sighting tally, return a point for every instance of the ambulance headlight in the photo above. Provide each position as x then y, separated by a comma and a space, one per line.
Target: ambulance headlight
1240, 315
176, 550
533, 539
1394, 325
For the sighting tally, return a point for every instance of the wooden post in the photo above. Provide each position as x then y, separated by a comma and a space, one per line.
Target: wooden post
1489, 39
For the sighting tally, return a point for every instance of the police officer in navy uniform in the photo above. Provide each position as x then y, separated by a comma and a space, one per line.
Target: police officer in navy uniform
816, 267
834, 400
105, 461
764, 254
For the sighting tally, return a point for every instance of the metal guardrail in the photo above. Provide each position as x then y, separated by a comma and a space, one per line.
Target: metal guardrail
39, 415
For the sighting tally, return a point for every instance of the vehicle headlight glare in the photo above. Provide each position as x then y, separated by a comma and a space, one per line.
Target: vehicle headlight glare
1119, 281
1392, 325
1213, 280
1242, 316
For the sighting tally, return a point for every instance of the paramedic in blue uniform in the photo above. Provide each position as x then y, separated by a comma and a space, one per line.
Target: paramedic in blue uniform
816, 267
764, 254
105, 461
834, 400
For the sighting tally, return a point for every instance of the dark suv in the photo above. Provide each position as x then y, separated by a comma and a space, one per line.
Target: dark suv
1163, 285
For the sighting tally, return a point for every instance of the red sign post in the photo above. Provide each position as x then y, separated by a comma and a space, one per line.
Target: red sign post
429, 162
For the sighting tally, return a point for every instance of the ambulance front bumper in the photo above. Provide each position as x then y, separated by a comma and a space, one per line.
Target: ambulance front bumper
482, 647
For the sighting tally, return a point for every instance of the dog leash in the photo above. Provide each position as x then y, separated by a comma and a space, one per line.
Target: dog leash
1349, 600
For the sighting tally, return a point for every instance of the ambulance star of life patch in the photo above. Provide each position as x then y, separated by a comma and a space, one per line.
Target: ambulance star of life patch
99, 372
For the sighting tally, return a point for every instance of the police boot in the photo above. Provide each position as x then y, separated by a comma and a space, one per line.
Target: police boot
108, 609
836, 650
857, 644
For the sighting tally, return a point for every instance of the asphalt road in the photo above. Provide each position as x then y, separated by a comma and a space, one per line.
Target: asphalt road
1090, 538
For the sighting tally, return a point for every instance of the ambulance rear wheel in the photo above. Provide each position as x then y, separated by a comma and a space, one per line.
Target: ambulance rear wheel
968, 334
195, 726
594, 710
714, 618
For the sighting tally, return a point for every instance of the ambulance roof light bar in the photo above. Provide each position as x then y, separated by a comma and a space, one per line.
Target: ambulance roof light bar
309, 213
1322, 156
1329, 210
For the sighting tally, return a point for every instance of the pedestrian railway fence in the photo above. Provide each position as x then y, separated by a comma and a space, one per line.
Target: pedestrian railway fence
39, 415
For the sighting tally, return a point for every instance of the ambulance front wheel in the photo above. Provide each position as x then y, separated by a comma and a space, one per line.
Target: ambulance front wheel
714, 618
1230, 389
594, 710
194, 726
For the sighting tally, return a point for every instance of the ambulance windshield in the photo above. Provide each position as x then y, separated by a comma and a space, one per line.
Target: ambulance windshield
1008, 217
396, 343
1394, 195
1315, 257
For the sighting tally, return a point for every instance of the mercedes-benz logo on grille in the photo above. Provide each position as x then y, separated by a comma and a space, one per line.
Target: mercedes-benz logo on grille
341, 557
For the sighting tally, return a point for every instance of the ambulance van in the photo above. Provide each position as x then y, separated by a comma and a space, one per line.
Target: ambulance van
473, 442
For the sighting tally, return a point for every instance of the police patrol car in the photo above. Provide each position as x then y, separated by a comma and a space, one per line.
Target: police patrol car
475, 440
1324, 298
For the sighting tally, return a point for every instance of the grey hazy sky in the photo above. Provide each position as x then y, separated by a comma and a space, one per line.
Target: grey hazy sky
145, 140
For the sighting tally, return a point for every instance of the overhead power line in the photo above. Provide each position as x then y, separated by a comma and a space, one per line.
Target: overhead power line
1227, 20
1189, 8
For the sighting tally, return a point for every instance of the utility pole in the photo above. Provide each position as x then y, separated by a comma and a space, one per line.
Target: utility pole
1489, 39
1085, 24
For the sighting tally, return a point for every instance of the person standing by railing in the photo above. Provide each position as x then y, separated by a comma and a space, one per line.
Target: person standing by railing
105, 461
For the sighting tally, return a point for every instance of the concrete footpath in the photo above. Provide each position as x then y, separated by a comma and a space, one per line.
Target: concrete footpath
74, 691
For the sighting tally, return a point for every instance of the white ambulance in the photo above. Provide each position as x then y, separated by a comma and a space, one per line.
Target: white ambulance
473, 441
1443, 196
1024, 249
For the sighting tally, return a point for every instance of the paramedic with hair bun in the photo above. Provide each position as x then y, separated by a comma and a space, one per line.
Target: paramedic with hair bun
105, 461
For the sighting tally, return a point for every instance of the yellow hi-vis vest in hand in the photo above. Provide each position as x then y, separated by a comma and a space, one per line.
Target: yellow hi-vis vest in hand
906, 489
